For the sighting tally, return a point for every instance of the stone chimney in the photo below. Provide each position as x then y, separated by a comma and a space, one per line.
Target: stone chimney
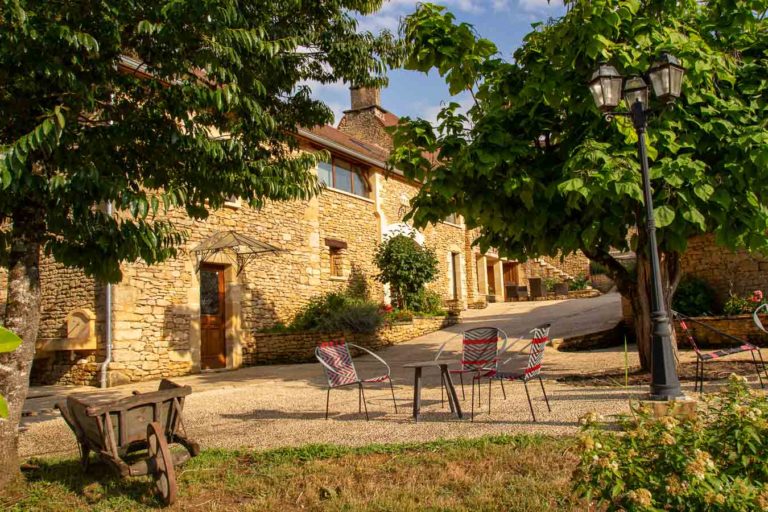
365, 97
366, 119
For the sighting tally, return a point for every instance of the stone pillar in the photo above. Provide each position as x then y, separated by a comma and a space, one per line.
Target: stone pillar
498, 277
482, 274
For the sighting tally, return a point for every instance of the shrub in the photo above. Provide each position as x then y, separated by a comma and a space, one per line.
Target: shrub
694, 297
399, 315
596, 268
549, 283
736, 305
426, 302
579, 282
713, 461
337, 311
405, 265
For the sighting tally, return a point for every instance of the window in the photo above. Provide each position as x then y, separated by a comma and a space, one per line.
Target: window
452, 219
337, 268
343, 176
336, 256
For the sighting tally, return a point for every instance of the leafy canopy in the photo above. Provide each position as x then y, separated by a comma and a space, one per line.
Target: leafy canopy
406, 266
155, 105
579, 187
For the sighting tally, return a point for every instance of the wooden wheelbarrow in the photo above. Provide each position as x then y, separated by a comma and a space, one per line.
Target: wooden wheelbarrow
145, 421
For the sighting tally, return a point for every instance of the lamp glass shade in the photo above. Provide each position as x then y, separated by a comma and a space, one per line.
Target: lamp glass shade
635, 89
605, 87
666, 76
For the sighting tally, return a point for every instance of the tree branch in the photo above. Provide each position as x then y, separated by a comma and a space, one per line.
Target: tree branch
616, 270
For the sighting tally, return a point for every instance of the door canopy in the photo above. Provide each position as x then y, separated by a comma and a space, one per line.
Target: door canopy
237, 248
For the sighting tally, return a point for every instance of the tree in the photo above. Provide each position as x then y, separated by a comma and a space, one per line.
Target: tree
150, 106
405, 266
536, 168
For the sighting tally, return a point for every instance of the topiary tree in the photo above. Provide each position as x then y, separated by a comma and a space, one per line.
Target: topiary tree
536, 168
149, 106
405, 266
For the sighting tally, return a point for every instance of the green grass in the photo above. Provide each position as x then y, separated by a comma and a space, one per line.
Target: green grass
510, 473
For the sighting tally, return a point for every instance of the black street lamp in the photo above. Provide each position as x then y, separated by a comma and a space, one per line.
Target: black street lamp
607, 86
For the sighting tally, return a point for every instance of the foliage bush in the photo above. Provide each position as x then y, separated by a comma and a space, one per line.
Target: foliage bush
399, 315
736, 305
596, 268
426, 302
694, 297
406, 266
579, 282
549, 283
337, 311
713, 461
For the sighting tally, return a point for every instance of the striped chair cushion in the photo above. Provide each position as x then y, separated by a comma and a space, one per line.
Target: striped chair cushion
715, 354
479, 349
336, 355
535, 357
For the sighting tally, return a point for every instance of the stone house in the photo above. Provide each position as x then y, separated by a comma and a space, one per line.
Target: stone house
185, 315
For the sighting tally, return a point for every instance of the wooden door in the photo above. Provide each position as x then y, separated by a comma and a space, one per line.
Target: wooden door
213, 352
491, 280
510, 280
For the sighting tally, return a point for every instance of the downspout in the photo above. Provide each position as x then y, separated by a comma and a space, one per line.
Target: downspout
107, 324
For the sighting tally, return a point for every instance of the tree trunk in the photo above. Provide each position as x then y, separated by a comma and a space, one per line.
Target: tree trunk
22, 316
637, 289
641, 302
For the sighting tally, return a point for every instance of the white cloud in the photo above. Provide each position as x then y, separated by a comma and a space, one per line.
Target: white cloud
390, 14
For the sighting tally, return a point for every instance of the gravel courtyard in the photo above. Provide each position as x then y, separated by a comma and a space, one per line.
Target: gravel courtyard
271, 406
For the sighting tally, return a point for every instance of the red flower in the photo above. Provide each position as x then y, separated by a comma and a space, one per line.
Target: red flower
757, 296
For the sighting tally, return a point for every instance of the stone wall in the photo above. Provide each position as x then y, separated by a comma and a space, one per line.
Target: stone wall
275, 348
574, 264
367, 125
740, 326
728, 272
445, 239
352, 220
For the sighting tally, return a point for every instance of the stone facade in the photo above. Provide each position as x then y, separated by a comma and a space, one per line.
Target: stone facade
575, 264
156, 310
727, 272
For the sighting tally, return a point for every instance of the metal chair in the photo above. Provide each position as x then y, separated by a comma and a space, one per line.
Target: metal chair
336, 360
702, 357
532, 370
480, 354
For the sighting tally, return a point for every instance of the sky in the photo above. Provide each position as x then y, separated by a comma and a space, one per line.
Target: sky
505, 22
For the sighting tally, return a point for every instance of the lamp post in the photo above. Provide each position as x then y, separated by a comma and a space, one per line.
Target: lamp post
607, 86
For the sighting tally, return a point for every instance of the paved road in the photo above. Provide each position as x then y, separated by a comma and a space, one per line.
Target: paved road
271, 406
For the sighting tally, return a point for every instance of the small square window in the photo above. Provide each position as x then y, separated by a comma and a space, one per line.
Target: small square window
337, 267
452, 219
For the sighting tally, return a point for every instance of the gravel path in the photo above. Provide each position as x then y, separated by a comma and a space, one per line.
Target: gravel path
272, 406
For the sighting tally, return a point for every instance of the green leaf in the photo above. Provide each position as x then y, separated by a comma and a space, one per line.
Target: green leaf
704, 191
572, 185
9, 341
664, 215
3, 407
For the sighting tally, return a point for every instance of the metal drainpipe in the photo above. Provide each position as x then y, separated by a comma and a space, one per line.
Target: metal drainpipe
108, 324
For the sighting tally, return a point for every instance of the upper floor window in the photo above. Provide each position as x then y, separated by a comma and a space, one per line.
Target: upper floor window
343, 176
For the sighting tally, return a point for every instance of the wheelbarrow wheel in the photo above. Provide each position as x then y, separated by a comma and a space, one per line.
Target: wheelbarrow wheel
162, 462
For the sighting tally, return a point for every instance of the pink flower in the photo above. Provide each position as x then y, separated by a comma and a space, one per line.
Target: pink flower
757, 296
